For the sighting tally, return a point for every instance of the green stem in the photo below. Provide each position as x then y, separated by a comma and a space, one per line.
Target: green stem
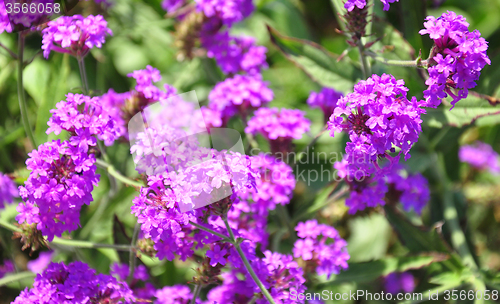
458, 239
417, 63
225, 238
132, 255
196, 293
365, 68
16, 277
83, 75
113, 172
70, 243
20, 91
249, 268
11, 53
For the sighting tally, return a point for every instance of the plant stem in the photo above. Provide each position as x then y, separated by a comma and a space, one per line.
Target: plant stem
365, 68
417, 63
249, 268
20, 91
132, 255
196, 293
113, 172
70, 243
225, 238
11, 53
16, 277
83, 75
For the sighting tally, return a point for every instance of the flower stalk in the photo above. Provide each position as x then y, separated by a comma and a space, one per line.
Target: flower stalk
116, 174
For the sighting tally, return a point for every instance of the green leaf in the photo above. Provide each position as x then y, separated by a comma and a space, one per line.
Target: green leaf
369, 238
416, 239
319, 64
369, 271
472, 110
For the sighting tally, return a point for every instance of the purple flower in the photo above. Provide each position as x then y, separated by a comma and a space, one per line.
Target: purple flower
177, 294
60, 183
399, 282
326, 100
83, 117
40, 264
4, 19
480, 156
239, 95
351, 4
458, 57
8, 190
7, 267
227, 11
378, 117
235, 54
74, 35
171, 6
75, 283
279, 126
321, 247
216, 255
139, 285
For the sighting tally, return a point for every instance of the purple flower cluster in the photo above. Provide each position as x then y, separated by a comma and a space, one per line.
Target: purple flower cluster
378, 118
235, 54
41, 263
75, 283
83, 117
457, 58
480, 156
61, 180
351, 4
141, 289
74, 35
226, 11
411, 190
399, 282
177, 294
326, 100
4, 19
278, 272
279, 126
8, 190
239, 94
321, 248
7, 267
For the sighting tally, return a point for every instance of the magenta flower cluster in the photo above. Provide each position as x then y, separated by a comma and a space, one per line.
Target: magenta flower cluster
74, 35
75, 283
459, 56
321, 247
351, 4
61, 180
397, 282
227, 12
8, 190
480, 156
278, 124
4, 19
141, 288
378, 118
326, 100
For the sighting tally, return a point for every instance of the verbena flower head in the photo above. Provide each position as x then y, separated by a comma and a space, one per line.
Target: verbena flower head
399, 282
4, 19
41, 263
177, 294
83, 117
141, 289
7, 267
326, 100
480, 156
60, 183
457, 58
227, 11
75, 283
239, 94
279, 126
321, 248
235, 54
74, 35
8, 190
378, 118
351, 4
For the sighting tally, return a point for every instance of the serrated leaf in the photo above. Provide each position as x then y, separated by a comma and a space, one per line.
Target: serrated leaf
369, 271
472, 110
319, 64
